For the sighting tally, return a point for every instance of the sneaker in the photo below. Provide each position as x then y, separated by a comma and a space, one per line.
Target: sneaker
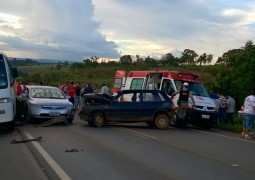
246, 136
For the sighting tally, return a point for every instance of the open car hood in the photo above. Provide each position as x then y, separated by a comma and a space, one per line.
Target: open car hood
97, 98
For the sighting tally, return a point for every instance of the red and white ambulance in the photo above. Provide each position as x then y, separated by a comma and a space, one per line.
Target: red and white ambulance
201, 109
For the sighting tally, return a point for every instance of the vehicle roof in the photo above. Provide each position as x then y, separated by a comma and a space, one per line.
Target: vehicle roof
140, 90
183, 76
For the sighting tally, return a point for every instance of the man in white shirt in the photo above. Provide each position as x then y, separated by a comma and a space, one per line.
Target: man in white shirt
105, 89
249, 115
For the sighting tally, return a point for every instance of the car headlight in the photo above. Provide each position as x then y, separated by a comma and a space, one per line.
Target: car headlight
5, 100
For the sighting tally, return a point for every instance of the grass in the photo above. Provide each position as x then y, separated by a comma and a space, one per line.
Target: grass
236, 128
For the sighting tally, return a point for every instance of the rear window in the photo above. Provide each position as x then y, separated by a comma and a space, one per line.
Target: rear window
152, 96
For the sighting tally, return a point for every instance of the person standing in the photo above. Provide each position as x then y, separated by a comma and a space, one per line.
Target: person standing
222, 108
19, 90
249, 115
230, 109
105, 89
71, 92
182, 102
77, 98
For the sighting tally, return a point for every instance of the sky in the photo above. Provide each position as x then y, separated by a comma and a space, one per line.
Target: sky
74, 30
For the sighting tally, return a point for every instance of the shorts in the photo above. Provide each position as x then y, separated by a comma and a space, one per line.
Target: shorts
248, 121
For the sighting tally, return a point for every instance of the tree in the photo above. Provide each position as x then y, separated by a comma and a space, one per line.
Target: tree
126, 60
189, 56
169, 60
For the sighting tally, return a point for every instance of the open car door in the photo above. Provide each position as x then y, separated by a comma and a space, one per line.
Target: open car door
119, 81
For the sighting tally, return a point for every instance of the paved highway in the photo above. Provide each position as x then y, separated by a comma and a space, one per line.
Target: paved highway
135, 151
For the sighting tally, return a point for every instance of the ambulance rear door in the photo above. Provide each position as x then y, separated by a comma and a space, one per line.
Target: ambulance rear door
119, 81
153, 80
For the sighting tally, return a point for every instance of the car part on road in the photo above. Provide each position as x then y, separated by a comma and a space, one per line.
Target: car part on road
55, 120
26, 140
73, 150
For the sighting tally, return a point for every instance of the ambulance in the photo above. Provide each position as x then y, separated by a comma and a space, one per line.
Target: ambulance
201, 110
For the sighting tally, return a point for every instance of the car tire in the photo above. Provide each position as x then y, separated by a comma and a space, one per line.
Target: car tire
98, 119
161, 121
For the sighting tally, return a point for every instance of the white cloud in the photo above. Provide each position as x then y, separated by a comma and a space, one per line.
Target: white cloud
54, 29
168, 24
73, 30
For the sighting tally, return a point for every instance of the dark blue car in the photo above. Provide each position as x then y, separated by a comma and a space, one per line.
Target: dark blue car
151, 106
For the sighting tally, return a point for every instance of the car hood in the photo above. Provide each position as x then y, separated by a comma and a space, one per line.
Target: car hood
97, 98
42, 101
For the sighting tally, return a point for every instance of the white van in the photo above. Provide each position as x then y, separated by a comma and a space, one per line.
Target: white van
201, 109
7, 92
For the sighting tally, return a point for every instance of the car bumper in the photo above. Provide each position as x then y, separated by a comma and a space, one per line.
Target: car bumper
49, 114
201, 118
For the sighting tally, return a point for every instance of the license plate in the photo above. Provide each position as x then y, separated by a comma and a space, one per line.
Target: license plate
53, 113
205, 116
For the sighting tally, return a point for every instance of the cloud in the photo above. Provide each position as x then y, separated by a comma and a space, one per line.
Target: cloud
53, 29
200, 25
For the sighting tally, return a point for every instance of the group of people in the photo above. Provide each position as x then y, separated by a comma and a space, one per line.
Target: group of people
225, 106
75, 91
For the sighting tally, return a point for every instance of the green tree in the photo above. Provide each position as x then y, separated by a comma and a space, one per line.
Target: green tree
126, 60
169, 60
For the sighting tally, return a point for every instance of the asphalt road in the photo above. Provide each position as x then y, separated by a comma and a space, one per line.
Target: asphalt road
135, 151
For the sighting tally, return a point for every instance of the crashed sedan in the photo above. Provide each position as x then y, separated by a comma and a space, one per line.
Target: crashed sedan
46, 102
151, 106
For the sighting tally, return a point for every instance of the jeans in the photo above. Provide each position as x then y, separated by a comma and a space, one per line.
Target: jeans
230, 117
77, 101
248, 121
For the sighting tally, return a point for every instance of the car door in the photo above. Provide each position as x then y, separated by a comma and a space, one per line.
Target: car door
123, 109
151, 102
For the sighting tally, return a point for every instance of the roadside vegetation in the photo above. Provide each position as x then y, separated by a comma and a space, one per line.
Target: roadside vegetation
233, 73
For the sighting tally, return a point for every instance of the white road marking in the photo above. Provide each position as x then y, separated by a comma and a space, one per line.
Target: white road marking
229, 137
59, 171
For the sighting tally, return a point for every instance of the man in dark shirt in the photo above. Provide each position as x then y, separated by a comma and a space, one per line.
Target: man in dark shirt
182, 102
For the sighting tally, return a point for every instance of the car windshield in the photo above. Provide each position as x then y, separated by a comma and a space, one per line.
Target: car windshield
47, 93
3, 75
196, 89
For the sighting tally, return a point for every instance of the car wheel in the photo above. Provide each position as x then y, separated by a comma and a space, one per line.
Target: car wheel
161, 121
98, 119
26, 117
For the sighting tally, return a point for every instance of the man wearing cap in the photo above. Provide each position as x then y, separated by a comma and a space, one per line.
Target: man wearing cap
182, 103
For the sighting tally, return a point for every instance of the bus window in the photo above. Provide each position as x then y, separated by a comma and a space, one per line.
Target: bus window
3, 75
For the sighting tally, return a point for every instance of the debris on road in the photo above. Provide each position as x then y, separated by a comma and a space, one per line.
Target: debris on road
26, 140
73, 150
55, 120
